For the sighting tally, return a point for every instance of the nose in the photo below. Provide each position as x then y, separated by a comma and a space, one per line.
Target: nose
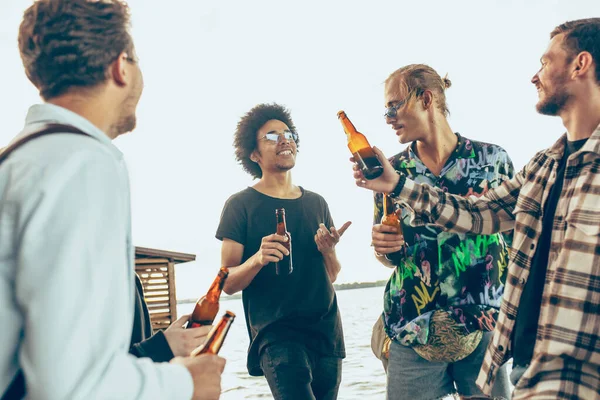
283, 139
389, 120
535, 79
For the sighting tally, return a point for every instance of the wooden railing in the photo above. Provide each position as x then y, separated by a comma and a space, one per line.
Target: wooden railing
156, 269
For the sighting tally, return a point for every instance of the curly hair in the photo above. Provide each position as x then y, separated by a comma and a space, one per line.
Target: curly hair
581, 35
65, 44
416, 78
245, 141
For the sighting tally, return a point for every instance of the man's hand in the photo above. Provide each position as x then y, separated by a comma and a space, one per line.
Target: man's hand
183, 341
327, 239
385, 183
271, 250
206, 371
386, 239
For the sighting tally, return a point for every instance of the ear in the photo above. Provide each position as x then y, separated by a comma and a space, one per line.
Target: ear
253, 157
119, 70
582, 63
427, 99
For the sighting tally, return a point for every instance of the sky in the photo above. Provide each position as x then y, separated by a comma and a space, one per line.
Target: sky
206, 63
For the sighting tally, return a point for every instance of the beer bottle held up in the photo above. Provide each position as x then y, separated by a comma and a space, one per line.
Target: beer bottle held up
284, 266
360, 148
216, 336
207, 306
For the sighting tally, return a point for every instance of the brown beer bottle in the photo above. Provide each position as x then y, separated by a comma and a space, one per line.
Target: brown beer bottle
216, 336
207, 306
284, 266
390, 217
360, 148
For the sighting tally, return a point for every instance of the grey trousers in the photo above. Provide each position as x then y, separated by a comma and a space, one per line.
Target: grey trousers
411, 377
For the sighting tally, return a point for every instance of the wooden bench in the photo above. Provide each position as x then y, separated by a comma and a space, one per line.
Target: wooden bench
156, 269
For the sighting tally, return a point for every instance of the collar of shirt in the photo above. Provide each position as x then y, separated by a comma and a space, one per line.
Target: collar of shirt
464, 149
41, 114
557, 150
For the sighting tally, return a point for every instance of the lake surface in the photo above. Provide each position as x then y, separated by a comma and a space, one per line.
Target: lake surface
363, 376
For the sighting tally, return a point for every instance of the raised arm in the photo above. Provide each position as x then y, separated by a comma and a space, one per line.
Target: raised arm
489, 214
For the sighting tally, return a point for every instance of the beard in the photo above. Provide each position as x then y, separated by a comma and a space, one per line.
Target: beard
554, 101
127, 119
125, 124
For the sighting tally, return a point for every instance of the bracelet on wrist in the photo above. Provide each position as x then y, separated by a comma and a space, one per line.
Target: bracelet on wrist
399, 186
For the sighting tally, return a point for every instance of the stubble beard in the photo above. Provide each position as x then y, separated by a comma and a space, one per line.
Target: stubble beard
555, 101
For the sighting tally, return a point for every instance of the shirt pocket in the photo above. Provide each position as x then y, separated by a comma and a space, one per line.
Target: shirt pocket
585, 222
583, 210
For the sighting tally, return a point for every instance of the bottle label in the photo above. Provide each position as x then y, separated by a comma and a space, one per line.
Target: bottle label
196, 324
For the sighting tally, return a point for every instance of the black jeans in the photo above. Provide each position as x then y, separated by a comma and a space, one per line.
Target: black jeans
294, 372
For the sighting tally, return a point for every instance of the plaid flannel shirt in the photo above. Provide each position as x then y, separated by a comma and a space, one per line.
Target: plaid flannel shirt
566, 358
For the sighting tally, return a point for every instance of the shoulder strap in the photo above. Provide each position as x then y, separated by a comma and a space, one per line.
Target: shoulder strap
16, 389
45, 130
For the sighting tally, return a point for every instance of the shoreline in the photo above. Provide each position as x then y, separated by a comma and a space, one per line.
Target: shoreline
337, 287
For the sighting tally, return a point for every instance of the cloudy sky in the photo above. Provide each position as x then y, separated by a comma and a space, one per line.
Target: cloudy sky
206, 63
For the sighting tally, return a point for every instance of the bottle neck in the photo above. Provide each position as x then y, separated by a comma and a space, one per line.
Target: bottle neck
388, 205
216, 336
214, 292
220, 334
348, 127
281, 226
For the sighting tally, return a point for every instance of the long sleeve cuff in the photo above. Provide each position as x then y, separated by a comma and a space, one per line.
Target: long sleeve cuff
155, 347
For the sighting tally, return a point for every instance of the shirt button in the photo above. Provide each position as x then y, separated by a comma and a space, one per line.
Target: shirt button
510, 316
532, 246
500, 348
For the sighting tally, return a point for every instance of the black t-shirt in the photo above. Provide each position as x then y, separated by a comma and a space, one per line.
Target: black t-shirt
526, 324
301, 306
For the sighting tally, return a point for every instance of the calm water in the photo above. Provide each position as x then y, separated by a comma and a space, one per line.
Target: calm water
363, 376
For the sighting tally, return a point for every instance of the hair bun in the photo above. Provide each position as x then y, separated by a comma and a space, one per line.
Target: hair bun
447, 82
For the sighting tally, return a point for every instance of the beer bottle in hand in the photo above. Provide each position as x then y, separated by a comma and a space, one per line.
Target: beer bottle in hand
207, 306
216, 336
390, 217
360, 148
284, 266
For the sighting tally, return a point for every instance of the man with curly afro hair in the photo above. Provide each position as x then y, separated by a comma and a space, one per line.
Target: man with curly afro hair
296, 338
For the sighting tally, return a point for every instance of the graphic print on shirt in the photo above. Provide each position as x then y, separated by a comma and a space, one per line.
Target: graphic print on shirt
463, 274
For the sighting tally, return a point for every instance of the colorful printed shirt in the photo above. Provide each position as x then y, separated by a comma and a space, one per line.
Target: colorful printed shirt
462, 274
566, 355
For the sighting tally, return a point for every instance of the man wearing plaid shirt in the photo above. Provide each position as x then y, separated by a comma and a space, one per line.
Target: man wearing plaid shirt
550, 316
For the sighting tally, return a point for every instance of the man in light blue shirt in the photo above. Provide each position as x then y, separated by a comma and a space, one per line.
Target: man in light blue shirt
66, 254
